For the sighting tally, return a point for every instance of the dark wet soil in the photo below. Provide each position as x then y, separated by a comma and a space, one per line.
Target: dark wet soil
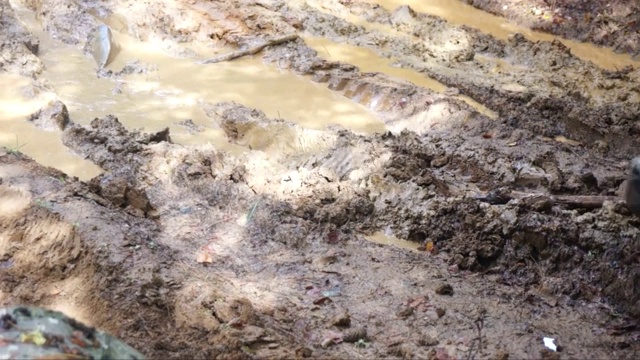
194, 252
614, 24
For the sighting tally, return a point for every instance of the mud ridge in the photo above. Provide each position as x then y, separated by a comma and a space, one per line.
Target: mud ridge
613, 24
572, 108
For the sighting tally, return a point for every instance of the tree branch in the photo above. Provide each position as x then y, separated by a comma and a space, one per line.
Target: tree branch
250, 51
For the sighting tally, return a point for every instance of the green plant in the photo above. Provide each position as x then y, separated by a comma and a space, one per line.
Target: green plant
253, 210
44, 204
16, 149
361, 343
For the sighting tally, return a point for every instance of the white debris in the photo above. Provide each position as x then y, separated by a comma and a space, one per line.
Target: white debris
548, 342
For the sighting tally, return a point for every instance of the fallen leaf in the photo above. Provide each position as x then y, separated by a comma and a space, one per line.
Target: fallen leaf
204, 257
421, 303
76, 338
417, 301
442, 354
235, 322
321, 300
55, 292
332, 337
431, 247
34, 337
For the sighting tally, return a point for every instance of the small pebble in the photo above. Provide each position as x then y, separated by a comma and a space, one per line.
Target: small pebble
444, 289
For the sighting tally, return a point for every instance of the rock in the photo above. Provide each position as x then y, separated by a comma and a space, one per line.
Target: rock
404, 312
328, 258
114, 189
444, 289
531, 176
354, 335
52, 117
238, 173
191, 126
342, 319
428, 340
632, 190
31, 330
439, 161
137, 198
304, 352
196, 170
251, 334
403, 14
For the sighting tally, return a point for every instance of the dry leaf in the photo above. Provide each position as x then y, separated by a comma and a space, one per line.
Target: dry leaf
204, 257
489, 135
431, 247
34, 337
55, 292
564, 140
76, 338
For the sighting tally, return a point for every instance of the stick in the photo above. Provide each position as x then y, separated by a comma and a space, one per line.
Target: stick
250, 51
576, 201
588, 202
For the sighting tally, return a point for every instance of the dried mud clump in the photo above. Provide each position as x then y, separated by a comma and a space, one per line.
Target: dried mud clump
120, 152
52, 117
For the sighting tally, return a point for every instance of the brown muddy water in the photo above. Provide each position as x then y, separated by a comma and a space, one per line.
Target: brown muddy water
368, 61
172, 89
457, 12
381, 238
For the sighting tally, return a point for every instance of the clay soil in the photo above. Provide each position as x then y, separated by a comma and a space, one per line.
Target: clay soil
609, 23
193, 252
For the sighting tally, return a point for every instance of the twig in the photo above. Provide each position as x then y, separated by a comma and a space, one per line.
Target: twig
327, 50
252, 211
250, 51
479, 322
575, 201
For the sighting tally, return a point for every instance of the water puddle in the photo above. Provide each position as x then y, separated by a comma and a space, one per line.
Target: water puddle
459, 13
173, 90
381, 238
368, 61
17, 134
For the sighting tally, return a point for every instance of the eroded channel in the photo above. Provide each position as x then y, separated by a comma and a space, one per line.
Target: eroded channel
156, 90
459, 13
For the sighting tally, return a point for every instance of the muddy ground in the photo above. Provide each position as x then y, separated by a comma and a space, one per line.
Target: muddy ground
193, 252
609, 23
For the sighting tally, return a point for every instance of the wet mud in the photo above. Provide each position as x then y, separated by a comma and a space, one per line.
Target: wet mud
441, 233
615, 24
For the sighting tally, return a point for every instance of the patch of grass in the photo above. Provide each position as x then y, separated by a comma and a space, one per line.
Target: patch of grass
361, 343
253, 210
44, 204
16, 150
